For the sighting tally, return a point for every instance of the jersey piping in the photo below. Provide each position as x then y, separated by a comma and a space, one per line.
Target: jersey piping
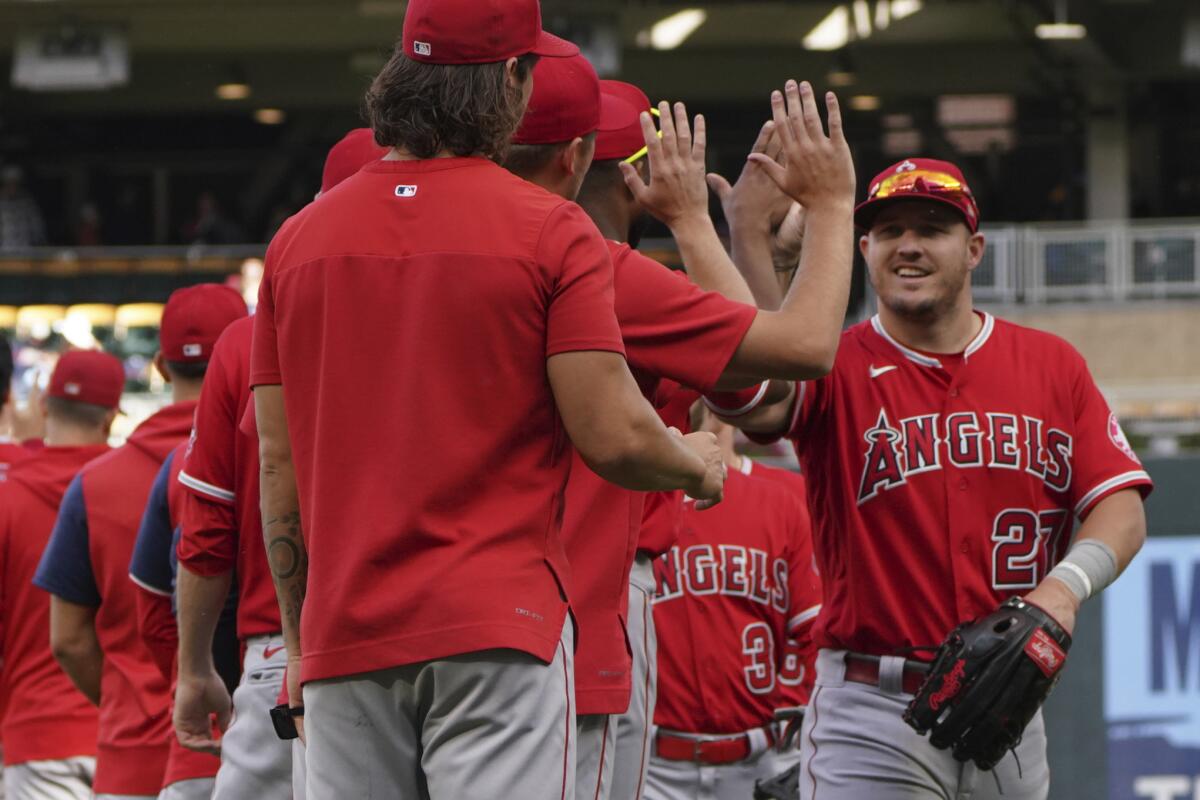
216, 492
985, 332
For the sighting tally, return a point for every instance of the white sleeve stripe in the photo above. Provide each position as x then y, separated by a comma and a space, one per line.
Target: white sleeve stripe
797, 405
807, 615
1137, 475
197, 485
746, 409
148, 587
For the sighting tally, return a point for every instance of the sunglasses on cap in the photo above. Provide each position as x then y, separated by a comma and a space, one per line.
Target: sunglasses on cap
642, 153
917, 181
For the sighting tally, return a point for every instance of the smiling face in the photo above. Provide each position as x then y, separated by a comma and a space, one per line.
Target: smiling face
919, 256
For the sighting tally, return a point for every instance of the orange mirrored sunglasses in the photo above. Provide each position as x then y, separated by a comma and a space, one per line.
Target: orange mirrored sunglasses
920, 181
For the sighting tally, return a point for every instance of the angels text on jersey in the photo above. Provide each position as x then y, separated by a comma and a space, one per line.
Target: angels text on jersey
964, 439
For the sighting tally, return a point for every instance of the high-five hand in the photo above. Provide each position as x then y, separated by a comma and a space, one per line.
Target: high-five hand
819, 171
677, 190
755, 199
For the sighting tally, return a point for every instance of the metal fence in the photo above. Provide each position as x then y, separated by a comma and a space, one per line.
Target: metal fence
1115, 261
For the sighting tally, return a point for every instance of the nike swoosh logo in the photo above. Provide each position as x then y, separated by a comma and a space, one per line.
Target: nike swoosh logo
877, 371
269, 651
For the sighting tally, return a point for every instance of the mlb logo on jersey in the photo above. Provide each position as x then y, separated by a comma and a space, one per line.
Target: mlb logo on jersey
406, 190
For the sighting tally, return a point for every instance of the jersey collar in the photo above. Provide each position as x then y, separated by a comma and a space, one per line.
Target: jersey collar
985, 332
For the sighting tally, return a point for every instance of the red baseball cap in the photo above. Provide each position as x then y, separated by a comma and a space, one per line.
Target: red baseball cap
620, 131
353, 152
193, 319
88, 376
919, 179
478, 32
565, 102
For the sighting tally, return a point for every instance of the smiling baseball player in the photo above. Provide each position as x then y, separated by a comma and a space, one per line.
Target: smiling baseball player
947, 455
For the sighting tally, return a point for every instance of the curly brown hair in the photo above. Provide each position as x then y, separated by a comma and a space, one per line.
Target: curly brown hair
467, 109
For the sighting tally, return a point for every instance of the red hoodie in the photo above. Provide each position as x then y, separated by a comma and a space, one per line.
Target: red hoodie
46, 717
135, 723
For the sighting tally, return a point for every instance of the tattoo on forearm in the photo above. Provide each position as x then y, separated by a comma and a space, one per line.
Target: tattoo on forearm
284, 556
288, 559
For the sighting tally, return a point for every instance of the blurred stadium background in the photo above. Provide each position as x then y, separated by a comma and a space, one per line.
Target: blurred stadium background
149, 144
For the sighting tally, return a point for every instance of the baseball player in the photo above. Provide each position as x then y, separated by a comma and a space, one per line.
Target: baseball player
736, 585
49, 727
768, 345
153, 568
85, 566
474, 285
799, 656
221, 537
947, 456
670, 328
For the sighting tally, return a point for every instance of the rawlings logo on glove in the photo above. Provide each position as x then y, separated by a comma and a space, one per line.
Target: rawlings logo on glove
987, 681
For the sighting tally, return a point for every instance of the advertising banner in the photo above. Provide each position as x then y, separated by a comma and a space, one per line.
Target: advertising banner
1152, 673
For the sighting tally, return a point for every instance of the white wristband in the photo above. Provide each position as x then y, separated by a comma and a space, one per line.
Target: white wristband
1087, 569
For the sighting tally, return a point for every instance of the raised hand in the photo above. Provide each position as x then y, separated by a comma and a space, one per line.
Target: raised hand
755, 200
787, 238
677, 190
819, 171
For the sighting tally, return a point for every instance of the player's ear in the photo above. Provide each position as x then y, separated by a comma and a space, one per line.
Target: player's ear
568, 157
862, 245
975, 248
109, 419
160, 364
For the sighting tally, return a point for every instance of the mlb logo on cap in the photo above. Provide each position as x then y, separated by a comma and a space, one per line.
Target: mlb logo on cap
478, 31
193, 319
88, 376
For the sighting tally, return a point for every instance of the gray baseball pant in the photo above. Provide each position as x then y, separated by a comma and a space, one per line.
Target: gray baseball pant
255, 763
855, 744
595, 751
633, 743
58, 779
190, 789
477, 726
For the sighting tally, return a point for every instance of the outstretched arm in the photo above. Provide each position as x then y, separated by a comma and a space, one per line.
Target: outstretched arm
678, 197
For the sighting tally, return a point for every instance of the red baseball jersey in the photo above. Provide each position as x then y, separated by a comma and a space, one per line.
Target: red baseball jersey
156, 617
412, 310
10, 453
222, 529
732, 590
952, 479
87, 563
673, 329
798, 669
45, 717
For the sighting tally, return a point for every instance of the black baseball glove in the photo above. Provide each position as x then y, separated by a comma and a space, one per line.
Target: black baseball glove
987, 681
